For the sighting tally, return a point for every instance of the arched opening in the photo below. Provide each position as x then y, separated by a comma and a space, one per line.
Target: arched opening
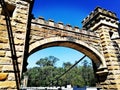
67, 58
57, 51
88, 51
80, 46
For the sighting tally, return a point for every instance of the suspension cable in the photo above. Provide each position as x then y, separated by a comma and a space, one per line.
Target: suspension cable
12, 45
69, 69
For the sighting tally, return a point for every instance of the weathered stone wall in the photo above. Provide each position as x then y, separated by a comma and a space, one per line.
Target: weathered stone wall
99, 39
112, 61
48, 33
45, 32
42, 29
18, 14
106, 25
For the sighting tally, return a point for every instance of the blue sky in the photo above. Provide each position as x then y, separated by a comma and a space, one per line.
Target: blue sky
62, 53
69, 12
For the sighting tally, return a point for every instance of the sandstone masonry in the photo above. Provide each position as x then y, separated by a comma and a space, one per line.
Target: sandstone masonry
98, 39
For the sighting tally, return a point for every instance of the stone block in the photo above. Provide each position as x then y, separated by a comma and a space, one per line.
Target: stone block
7, 68
113, 63
3, 76
4, 46
5, 60
1, 46
19, 48
22, 3
20, 36
118, 81
8, 54
20, 60
2, 22
113, 81
7, 84
20, 20
19, 42
14, 28
1, 16
113, 67
11, 77
114, 72
3, 40
107, 55
110, 77
112, 87
2, 53
19, 54
109, 87
21, 11
21, 30
3, 33
35, 28
95, 41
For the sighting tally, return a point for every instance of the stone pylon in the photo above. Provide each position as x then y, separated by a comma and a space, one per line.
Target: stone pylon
105, 23
19, 12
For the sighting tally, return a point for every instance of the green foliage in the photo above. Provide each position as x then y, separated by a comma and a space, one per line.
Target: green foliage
46, 74
47, 61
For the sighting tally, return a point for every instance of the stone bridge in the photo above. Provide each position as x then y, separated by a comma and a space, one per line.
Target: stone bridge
98, 39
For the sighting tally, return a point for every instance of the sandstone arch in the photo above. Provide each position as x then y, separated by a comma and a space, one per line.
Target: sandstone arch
29, 35
78, 45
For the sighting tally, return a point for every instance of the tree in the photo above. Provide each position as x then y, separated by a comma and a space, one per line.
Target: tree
47, 61
46, 74
43, 74
67, 64
88, 74
53, 59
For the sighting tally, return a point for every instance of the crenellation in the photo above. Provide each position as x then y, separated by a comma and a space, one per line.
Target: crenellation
51, 23
60, 25
68, 27
101, 14
106, 12
76, 29
92, 14
40, 20
42, 23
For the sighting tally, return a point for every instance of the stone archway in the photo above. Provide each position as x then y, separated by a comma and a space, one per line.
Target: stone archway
94, 40
80, 46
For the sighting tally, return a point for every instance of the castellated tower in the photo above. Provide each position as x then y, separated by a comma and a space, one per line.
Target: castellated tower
19, 13
105, 23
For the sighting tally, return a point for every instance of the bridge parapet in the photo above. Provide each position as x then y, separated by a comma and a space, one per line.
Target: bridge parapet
42, 29
41, 23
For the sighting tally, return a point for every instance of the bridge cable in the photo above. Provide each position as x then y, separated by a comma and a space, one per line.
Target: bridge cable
69, 68
12, 45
